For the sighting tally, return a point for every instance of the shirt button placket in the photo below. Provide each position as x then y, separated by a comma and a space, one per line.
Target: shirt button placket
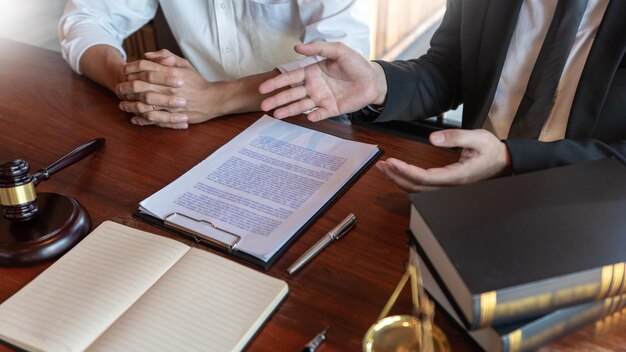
227, 37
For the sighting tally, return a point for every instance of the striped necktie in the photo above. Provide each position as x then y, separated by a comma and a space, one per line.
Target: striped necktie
544, 80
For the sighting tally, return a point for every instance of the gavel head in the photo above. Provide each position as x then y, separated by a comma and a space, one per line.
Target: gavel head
17, 191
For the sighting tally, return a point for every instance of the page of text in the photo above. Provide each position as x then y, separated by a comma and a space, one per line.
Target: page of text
264, 184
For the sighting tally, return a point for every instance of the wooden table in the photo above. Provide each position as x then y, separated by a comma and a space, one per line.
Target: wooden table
46, 111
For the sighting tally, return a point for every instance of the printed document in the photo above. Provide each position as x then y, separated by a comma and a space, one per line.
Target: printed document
260, 188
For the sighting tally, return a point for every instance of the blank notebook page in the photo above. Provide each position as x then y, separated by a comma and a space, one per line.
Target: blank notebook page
204, 303
75, 300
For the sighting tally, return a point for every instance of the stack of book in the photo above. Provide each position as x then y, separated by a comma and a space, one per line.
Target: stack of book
522, 261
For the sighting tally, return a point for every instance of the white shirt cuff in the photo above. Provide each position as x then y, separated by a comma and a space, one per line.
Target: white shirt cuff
296, 64
74, 48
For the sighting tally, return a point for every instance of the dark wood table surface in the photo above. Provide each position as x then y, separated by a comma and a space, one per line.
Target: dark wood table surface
46, 110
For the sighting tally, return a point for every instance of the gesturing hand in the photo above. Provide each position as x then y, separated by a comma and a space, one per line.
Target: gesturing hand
167, 91
342, 83
483, 157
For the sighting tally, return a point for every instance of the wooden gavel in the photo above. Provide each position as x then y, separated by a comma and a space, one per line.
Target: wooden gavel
17, 188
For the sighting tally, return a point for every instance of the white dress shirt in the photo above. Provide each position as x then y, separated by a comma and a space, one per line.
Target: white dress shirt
528, 37
223, 39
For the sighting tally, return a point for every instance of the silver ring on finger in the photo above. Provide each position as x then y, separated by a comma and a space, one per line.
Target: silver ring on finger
310, 110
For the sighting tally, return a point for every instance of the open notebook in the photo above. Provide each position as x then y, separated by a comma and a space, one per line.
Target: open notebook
125, 289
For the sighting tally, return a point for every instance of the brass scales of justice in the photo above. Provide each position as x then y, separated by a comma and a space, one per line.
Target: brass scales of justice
35, 227
412, 332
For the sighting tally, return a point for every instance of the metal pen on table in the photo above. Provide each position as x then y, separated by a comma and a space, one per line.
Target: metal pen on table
315, 342
332, 235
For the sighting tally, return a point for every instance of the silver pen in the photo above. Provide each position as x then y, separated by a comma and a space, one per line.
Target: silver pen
332, 235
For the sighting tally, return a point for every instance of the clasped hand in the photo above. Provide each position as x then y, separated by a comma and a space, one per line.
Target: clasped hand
165, 90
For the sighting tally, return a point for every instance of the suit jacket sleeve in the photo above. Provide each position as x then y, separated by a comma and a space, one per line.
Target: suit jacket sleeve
430, 85
532, 155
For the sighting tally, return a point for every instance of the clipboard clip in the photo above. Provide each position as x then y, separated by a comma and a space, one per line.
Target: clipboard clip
193, 229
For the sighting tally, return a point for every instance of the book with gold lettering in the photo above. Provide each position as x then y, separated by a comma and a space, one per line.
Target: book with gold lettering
121, 289
530, 334
520, 247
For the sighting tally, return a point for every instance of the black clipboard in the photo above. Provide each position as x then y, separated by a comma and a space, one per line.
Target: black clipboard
243, 256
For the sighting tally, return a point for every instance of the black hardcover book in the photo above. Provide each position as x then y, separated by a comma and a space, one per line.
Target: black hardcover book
529, 334
520, 247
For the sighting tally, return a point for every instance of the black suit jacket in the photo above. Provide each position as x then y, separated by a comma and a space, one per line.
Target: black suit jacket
464, 65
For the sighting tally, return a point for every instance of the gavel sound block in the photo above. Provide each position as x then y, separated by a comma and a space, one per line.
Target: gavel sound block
35, 227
